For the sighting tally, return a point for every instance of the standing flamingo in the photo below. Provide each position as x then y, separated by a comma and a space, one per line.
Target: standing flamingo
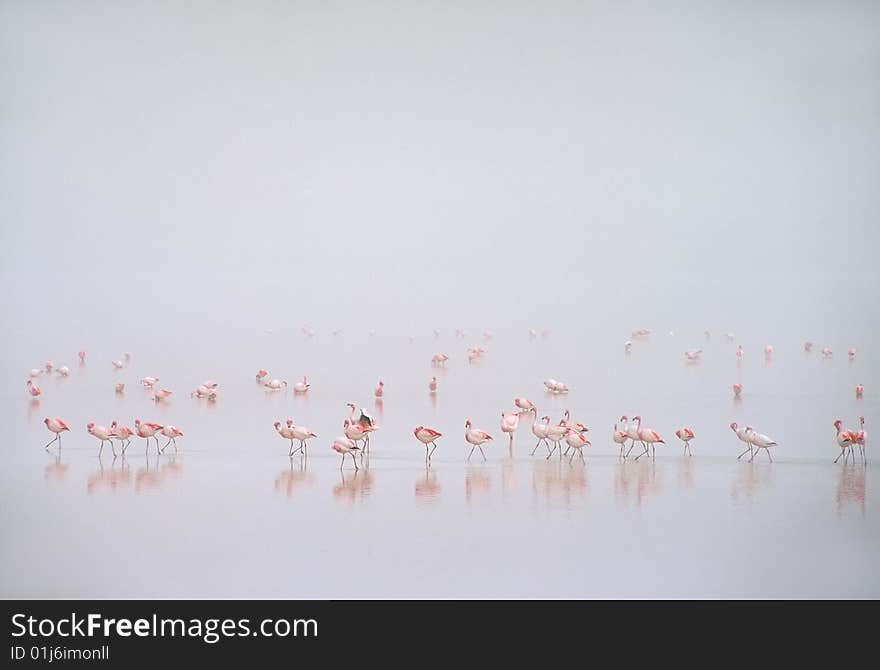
742, 435
146, 431
827, 353
302, 434
739, 351
355, 432
102, 433
539, 430
118, 364
50, 365
33, 389
685, 434
123, 434
768, 350
632, 432
439, 359
737, 389
57, 426
647, 437
432, 385
343, 445
380, 389
427, 436
576, 440
82, 357
555, 434
808, 346
287, 433
161, 394
475, 437
149, 382
760, 441
509, 424
862, 438
172, 433
851, 353
860, 390
845, 439
365, 421
120, 387
261, 373
620, 437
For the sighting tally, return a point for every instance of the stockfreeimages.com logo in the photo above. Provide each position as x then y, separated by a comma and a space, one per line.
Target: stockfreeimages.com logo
208, 630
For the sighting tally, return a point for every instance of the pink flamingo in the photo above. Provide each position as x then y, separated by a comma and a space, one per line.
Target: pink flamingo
851, 353
102, 433
117, 364
845, 439
355, 432
742, 435
525, 404
210, 384
577, 425
365, 421
576, 440
539, 430
149, 382
808, 346
439, 359
827, 353
427, 436
287, 433
302, 386
620, 437
555, 434
685, 434
380, 389
33, 389
172, 433
768, 350
739, 351
201, 391
302, 434
261, 373
50, 366
861, 439
475, 437
161, 394
146, 431
120, 387
432, 385
632, 432
64, 371
121, 433
57, 426
82, 357
648, 437
275, 384
760, 441
343, 445
737, 389
509, 424
860, 390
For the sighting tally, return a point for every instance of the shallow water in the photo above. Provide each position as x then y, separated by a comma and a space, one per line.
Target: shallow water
231, 515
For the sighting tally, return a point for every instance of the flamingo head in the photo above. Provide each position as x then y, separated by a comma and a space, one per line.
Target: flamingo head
351, 405
90, 425
545, 418
637, 419
624, 418
277, 425
381, 383
467, 424
46, 420
838, 424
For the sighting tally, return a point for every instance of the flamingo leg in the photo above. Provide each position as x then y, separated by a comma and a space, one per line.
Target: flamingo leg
57, 437
113, 449
472, 451
771, 458
484, 455
432, 450
101, 449
537, 444
343, 462
842, 451
749, 450
354, 460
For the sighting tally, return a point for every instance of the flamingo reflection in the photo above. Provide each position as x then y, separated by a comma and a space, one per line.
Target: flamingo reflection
427, 488
476, 481
553, 481
851, 487
56, 471
354, 487
636, 480
117, 476
296, 477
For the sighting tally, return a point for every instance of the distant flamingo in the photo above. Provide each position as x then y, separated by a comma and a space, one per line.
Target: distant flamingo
33, 389
123, 434
35, 372
102, 433
172, 433
742, 435
432, 385
576, 440
57, 426
627, 346
380, 389
693, 354
50, 366
768, 350
632, 432
620, 437
827, 353
287, 433
647, 437
275, 384
808, 346
210, 384
64, 371
120, 387
161, 394
149, 382
354, 432
851, 353
301, 386
760, 441
261, 373
475, 437
737, 389
739, 351
201, 391
302, 434
685, 434
539, 430
343, 445
860, 390
427, 436
525, 404
509, 424
82, 356
439, 359
861, 439
146, 431
118, 364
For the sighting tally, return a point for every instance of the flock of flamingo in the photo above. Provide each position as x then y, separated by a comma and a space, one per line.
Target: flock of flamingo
358, 427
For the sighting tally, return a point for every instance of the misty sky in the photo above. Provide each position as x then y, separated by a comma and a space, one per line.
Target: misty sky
425, 164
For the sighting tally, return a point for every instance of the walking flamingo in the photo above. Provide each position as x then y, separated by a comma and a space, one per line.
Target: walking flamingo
302, 434
555, 434
147, 430
539, 430
301, 386
620, 437
287, 433
172, 433
102, 433
380, 389
509, 424
33, 389
686, 434
647, 437
475, 437
123, 434
427, 436
845, 440
525, 404
760, 441
742, 435
57, 426
576, 440
343, 445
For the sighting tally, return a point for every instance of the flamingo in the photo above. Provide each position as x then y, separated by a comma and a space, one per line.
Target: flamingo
50, 366
120, 387
102, 433
64, 371
301, 386
343, 445
827, 353
760, 441
365, 421
118, 364
768, 350
149, 382
275, 384
261, 373
620, 437
693, 354
647, 437
146, 431
432, 385
627, 346
380, 389
739, 351
302, 434
161, 394
555, 434
427, 436
686, 434
860, 390
509, 424
525, 404
57, 426
577, 425
439, 359
287, 433
475, 437
121, 433
737, 389
201, 391
845, 439
34, 373
632, 432
862, 438
172, 433
33, 389
539, 430
82, 356
576, 440
742, 435
355, 432
210, 384
808, 346
851, 353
